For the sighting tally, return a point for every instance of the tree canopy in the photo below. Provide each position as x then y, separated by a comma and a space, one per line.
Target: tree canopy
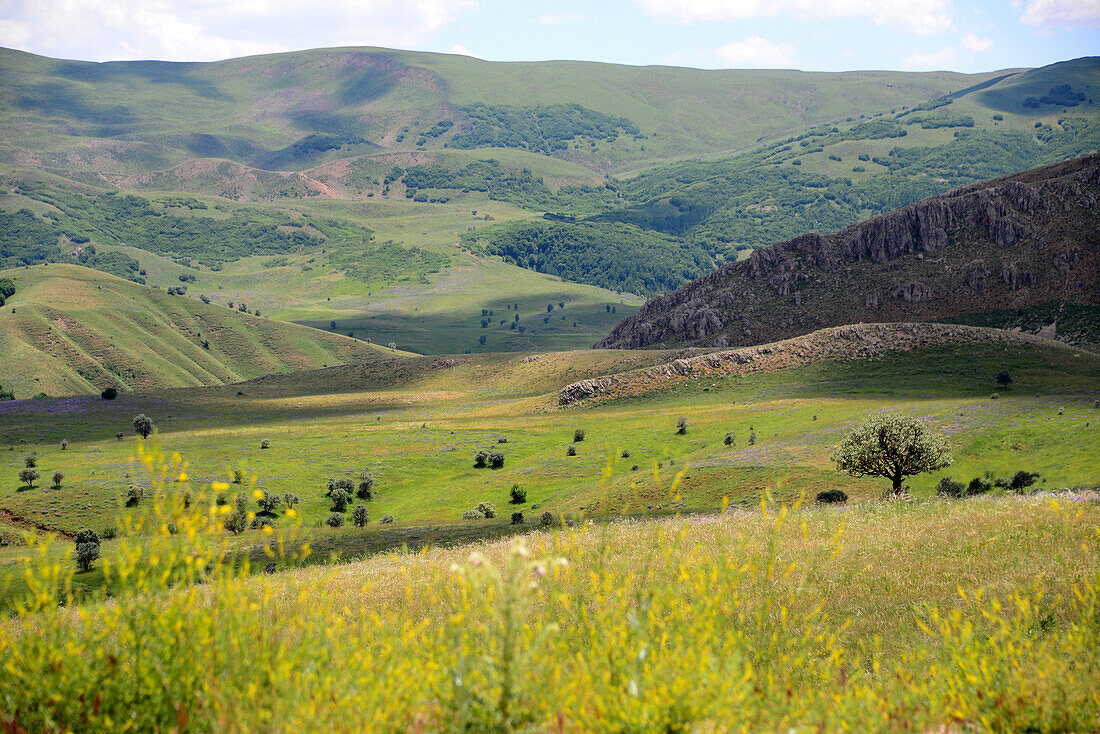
893, 446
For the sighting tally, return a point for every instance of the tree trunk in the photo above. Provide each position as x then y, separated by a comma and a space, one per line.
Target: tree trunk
897, 491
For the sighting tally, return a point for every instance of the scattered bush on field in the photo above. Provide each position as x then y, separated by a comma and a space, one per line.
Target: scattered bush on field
87, 549
517, 495
340, 499
360, 515
831, 496
950, 489
335, 520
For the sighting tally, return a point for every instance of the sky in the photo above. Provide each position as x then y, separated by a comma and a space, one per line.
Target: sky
814, 35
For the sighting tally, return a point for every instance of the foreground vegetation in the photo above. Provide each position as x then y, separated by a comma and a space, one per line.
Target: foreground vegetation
977, 615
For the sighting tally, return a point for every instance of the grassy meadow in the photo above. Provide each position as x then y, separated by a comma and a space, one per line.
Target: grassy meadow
696, 587
885, 617
415, 423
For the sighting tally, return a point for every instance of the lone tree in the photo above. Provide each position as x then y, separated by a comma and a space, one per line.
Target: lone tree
1004, 378
143, 426
29, 476
87, 549
893, 446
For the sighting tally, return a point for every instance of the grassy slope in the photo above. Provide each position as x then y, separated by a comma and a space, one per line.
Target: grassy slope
70, 330
270, 101
884, 617
416, 425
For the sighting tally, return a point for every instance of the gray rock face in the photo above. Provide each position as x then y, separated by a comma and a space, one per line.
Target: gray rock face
1029, 238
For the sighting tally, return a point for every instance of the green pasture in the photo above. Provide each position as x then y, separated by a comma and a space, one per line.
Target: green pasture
415, 424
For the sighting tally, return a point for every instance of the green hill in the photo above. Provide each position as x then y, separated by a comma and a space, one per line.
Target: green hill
381, 174
294, 110
70, 330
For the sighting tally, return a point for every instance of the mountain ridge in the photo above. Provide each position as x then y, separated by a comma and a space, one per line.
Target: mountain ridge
1029, 238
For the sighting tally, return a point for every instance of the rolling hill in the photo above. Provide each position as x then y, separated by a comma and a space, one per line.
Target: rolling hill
296, 110
1026, 240
370, 181
71, 330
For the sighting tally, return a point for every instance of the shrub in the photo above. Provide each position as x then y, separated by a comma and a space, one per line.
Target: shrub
625, 454
238, 476
365, 490
472, 515
238, 519
547, 520
58, 476
64, 444
978, 486
496, 459
109, 394
831, 496
340, 499
481, 459
517, 518
386, 520
571, 450
87, 549
291, 499
269, 502
578, 435
335, 520
260, 521
994, 396
518, 495
28, 476
729, 439
951, 489
134, 495
360, 515
1022, 480
143, 425
1003, 378
752, 438
30, 461
487, 509
109, 533
265, 444
681, 426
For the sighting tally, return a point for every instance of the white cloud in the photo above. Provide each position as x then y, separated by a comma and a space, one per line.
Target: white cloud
560, 18
203, 30
919, 16
932, 61
1068, 13
977, 44
756, 53
461, 50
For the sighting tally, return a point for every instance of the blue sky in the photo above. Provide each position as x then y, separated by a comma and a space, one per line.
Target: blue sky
816, 35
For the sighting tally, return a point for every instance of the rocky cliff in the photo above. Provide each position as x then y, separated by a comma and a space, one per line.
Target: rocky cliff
1026, 239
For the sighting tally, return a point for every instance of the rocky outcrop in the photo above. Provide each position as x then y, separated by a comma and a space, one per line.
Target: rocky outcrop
1025, 239
858, 341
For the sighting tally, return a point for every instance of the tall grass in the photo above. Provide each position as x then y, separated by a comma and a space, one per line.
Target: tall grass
978, 615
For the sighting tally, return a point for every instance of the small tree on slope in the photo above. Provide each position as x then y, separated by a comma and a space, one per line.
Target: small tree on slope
892, 446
